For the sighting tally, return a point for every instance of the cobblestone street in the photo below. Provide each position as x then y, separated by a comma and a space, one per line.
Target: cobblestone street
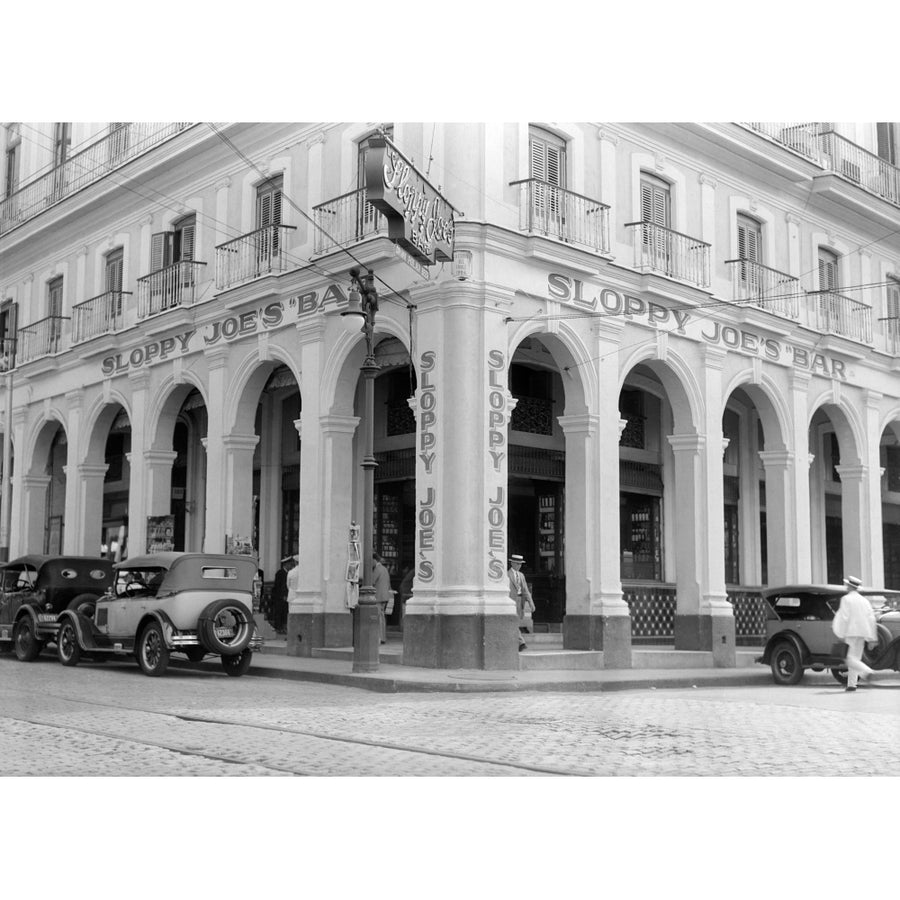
112, 720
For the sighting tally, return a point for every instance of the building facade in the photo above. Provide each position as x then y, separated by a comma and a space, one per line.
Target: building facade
662, 365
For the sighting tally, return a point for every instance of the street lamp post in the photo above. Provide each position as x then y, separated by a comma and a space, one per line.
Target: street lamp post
363, 304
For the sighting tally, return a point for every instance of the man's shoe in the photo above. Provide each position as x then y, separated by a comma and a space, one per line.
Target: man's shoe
523, 647
848, 688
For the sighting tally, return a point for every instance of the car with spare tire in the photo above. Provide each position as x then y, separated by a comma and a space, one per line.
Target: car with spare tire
35, 589
799, 632
196, 604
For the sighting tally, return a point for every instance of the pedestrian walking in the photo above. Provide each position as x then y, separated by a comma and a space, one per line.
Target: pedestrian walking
293, 587
855, 624
518, 591
381, 581
278, 599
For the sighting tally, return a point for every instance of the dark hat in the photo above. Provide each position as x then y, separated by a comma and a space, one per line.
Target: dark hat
516, 558
853, 581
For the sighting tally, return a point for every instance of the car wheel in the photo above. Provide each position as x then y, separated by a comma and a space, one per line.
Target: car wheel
225, 627
26, 642
873, 656
152, 652
840, 675
194, 654
84, 605
785, 662
237, 665
67, 647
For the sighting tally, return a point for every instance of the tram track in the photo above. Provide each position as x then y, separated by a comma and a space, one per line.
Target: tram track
350, 740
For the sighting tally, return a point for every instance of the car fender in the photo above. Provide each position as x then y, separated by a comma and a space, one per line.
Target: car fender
83, 627
164, 622
792, 638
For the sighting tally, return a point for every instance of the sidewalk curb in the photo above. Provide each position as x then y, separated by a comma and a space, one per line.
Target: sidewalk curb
458, 681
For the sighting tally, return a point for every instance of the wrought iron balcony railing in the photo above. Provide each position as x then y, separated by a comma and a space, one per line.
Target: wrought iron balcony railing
347, 219
855, 164
552, 211
41, 338
168, 288
261, 252
129, 140
104, 314
801, 137
670, 253
766, 288
837, 314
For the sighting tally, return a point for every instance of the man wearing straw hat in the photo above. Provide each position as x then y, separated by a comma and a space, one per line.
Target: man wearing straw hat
855, 624
518, 591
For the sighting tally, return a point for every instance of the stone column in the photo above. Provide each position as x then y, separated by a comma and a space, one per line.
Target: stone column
158, 490
216, 475
856, 523
871, 454
138, 502
781, 521
87, 482
18, 537
74, 516
34, 511
237, 486
799, 442
270, 487
461, 614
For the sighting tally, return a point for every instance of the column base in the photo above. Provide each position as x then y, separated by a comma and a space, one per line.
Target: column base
305, 631
611, 634
461, 642
711, 633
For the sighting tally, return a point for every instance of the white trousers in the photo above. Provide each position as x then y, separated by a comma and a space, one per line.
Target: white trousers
855, 665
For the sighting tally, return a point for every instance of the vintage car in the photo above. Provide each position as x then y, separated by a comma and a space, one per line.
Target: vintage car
34, 590
799, 635
190, 603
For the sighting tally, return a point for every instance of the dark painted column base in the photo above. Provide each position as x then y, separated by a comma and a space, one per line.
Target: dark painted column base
461, 642
611, 634
307, 631
711, 633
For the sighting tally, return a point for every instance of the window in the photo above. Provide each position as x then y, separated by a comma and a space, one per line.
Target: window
892, 313
8, 317
13, 142
828, 270
268, 212
54, 313
749, 240
887, 141
656, 200
62, 140
547, 157
170, 247
113, 276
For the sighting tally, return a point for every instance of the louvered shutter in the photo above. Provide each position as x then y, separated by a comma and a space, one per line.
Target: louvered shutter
749, 236
187, 242
114, 272
892, 325
159, 252
828, 271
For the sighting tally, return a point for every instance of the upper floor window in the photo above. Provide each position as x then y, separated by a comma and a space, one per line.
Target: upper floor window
268, 202
119, 139
656, 200
114, 264
749, 238
177, 245
547, 157
892, 307
13, 143
8, 316
55, 296
828, 270
887, 141
62, 140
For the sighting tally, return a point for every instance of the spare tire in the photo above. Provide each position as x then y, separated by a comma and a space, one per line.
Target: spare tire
84, 605
225, 627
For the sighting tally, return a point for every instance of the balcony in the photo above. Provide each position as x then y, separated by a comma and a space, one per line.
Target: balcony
40, 339
670, 253
801, 137
769, 289
346, 220
129, 140
552, 211
837, 314
104, 314
168, 288
261, 252
853, 163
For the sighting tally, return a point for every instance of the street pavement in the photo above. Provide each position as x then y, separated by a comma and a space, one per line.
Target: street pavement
111, 720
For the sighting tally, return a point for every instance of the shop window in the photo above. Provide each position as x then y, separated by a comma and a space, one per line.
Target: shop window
115, 457
640, 537
631, 408
891, 544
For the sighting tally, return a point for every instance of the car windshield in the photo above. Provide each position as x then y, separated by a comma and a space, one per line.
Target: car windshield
139, 582
19, 579
806, 607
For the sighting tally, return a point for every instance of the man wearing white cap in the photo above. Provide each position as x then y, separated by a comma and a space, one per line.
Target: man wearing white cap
855, 624
518, 591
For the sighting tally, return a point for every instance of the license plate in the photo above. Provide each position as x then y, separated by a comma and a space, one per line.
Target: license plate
46, 617
224, 632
